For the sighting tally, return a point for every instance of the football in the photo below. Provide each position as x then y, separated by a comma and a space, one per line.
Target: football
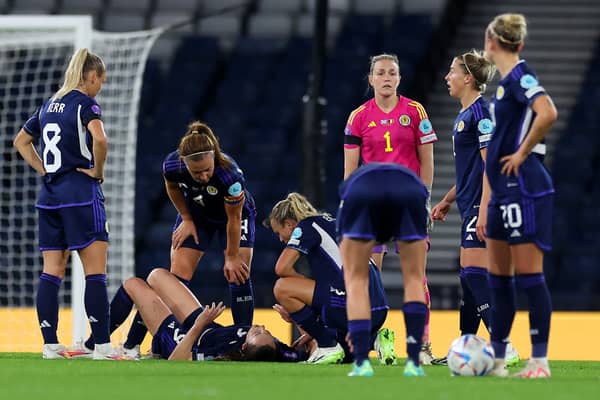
470, 355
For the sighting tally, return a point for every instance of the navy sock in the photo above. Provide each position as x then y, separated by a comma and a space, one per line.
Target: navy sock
46, 303
504, 305
414, 319
189, 321
120, 307
478, 283
137, 332
360, 335
242, 303
540, 310
469, 319
96, 307
307, 320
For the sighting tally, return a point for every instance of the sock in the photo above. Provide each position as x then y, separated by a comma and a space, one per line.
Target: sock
189, 321
96, 307
360, 335
540, 310
242, 303
469, 319
414, 319
46, 303
137, 332
427, 315
307, 320
478, 283
504, 305
120, 307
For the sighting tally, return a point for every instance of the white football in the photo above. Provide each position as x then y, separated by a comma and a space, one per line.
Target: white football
470, 355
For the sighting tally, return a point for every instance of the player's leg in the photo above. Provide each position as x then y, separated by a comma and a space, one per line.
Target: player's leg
149, 304
378, 254
412, 257
355, 258
476, 290
176, 295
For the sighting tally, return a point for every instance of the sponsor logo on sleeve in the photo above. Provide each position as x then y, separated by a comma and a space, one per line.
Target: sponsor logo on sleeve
347, 131
528, 81
297, 233
235, 189
404, 120
425, 127
485, 126
96, 109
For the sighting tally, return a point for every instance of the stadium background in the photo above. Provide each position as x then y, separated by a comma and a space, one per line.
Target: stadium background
245, 73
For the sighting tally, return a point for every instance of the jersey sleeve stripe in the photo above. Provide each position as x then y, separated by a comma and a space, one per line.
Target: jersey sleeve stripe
354, 113
420, 109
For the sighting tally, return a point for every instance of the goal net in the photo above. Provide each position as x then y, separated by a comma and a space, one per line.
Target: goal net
34, 52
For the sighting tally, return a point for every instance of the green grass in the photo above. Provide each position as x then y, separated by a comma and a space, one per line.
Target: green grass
27, 376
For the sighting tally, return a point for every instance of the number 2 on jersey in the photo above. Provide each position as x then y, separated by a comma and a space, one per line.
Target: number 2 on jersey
388, 142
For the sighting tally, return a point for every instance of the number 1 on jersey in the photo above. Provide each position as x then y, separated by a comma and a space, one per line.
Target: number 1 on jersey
388, 142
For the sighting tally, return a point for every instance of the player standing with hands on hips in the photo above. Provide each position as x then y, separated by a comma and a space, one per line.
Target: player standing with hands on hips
71, 202
519, 225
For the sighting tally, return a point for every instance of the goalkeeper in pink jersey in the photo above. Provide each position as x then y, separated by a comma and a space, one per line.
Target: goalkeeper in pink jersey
395, 129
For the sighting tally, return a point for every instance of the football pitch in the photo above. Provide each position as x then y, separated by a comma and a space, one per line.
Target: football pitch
27, 376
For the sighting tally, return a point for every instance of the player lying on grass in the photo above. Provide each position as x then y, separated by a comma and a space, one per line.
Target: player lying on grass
318, 305
183, 329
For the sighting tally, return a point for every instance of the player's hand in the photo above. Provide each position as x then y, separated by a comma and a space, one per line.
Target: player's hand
235, 270
441, 209
92, 173
183, 231
210, 313
302, 341
512, 163
283, 313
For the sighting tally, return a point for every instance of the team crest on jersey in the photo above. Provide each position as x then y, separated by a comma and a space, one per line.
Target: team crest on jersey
297, 233
460, 126
500, 92
425, 127
404, 120
235, 189
485, 126
528, 81
212, 190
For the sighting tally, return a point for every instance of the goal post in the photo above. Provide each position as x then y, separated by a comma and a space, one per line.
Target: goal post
34, 52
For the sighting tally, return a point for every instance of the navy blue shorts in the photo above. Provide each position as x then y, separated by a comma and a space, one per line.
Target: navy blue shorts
208, 230
390, 205
524, 220
166, 337
468, 234
72, 228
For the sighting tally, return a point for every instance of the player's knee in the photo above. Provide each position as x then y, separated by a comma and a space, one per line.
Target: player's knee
281, 290
131, 284
156, 275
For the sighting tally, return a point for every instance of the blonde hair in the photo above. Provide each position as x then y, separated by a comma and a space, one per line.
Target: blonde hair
480, 68
82, 62
198, 138
509, 29
383, 56
294, 206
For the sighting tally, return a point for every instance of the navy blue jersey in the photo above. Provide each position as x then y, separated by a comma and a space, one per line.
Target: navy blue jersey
60, 125
315, 238
513, 116
206, 201
472, 131
223, 340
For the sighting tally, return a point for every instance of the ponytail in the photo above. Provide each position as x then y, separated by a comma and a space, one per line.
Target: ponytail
82, 62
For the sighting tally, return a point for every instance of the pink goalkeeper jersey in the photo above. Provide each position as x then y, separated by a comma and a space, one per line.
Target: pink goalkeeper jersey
389, 137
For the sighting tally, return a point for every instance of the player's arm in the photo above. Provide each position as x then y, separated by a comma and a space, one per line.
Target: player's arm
235, 270
425, 153
99, 148
187, 227
486, 194
23, 142
351, 157
546, 115
183, 350
285, 263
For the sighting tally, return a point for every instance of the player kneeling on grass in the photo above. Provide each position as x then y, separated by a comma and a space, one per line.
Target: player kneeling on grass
183, 329
318, 305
